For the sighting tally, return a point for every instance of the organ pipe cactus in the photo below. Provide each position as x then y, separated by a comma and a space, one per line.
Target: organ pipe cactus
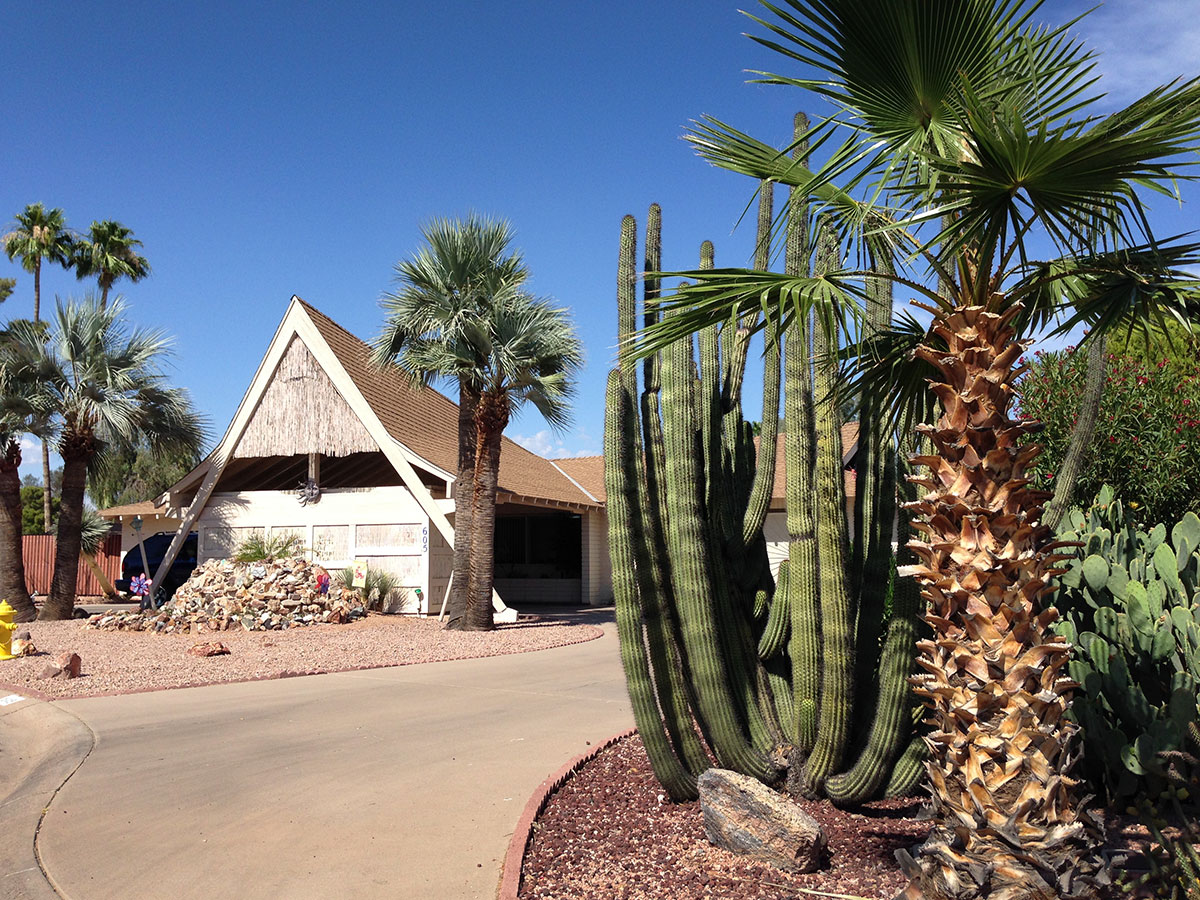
723, 657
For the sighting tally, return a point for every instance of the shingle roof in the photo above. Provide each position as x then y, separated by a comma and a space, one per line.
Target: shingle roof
426, 421
589, 470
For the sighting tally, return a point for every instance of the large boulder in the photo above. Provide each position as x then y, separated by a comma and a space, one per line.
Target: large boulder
744, 816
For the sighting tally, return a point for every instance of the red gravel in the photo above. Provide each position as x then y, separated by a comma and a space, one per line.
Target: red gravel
117, 662
610, 833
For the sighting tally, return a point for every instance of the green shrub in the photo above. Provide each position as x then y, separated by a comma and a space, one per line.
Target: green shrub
1130, 603
257, 547
1147, 442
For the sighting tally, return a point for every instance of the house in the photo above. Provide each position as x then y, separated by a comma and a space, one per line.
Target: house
359, 464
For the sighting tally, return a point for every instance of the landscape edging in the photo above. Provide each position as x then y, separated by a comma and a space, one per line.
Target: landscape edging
514, 860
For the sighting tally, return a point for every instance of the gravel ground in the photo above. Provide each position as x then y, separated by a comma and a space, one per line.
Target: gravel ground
123, 661
609, 833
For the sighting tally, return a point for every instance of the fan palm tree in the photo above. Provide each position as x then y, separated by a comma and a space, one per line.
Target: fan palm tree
966, 139
462, 313
39, 234
18, 415
101, 382
451, 281
108, 254
526, 351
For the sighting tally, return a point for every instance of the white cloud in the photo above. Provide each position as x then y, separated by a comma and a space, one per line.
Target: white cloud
1142, 44
554, 446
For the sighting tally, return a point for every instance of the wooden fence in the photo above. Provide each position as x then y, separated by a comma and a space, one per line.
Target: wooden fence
39, 564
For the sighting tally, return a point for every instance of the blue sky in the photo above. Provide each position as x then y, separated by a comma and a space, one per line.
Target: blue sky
265, 150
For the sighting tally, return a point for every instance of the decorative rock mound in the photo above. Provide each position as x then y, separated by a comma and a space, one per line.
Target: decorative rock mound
270, 595
744, 816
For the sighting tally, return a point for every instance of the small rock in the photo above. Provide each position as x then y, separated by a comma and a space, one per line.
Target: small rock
744, 816
22, 643
65, 665
208, 648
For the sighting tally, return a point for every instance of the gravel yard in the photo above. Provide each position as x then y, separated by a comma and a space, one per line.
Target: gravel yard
123, 661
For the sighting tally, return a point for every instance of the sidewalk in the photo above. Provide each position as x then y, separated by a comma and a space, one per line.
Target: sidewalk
40, 746
397, 783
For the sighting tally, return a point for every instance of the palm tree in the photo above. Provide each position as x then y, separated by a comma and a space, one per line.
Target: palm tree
457, 274
525, 351
39, 234
966, 140
18, 415
461, 313
102, 384
108, 254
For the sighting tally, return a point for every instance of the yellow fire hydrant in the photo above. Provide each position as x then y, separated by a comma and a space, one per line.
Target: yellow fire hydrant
7, 627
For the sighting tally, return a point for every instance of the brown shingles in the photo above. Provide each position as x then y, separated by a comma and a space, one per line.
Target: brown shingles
426, 421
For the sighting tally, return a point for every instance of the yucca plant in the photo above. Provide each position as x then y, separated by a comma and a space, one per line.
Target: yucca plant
965, 135
258, 546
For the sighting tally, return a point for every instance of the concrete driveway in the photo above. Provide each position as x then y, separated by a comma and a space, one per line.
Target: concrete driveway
397, 783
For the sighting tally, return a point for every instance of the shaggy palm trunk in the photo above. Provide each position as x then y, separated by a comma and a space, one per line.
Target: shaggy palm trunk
12, 560
464, 488
37, 317
46, 497
491, 418
994, 676
61, 602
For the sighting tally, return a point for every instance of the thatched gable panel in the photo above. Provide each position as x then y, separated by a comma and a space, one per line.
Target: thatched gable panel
300, 412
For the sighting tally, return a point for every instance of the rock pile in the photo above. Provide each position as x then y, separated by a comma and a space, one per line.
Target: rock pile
262, 596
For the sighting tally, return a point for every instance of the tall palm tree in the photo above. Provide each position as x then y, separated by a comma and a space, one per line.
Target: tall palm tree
19, 413
107, 254
102, 383
462, 313
526, 351
968, 139
452, 280
39, 234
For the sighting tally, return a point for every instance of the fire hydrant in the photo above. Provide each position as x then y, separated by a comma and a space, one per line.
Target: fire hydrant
7, 627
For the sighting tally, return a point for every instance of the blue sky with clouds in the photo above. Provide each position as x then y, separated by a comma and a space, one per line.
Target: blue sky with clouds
265, 150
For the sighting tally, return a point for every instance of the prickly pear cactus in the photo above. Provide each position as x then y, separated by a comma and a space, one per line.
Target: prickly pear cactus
1130, 603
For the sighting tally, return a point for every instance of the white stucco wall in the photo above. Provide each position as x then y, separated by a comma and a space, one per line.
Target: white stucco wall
597, 566
383, 525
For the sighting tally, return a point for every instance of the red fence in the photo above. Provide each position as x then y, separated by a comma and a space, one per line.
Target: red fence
39, 564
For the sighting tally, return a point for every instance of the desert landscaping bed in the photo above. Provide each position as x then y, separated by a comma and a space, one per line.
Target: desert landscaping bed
610, 833
123, 661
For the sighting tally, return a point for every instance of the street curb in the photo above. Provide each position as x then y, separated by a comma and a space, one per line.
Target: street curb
510, 879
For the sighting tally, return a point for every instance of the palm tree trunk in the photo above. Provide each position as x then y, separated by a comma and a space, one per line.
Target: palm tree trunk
12, 560
464, 497
1081, 435
994, 675
46, 505
104, 286
491, 417
61, 602
37, 290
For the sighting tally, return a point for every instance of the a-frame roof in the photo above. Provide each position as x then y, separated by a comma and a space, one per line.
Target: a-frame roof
421, 419
426, 422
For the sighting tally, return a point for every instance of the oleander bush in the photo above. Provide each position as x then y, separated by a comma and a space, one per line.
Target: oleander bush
1147, 441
